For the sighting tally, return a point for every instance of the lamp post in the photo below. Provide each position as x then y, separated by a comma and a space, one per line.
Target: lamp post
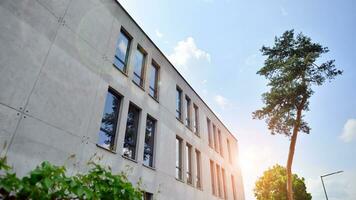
322, 181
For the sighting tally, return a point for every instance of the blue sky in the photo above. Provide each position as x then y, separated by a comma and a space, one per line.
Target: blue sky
215, 45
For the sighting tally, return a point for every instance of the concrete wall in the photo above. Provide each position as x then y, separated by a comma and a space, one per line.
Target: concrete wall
55, 70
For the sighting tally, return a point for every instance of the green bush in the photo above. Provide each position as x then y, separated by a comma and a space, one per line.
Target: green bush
47, 181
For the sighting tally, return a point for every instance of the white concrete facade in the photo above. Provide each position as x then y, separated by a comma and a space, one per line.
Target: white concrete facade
56, 65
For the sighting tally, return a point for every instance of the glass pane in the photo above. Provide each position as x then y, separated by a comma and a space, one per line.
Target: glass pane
149, 142
138, 66
178, 104
131, 132
121, 51
109, 121
153, 81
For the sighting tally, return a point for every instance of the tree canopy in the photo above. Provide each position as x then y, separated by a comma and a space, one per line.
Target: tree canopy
272, 185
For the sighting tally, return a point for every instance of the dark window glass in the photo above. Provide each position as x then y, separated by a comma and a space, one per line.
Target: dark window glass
149, 141
147, 196
153, 91
139, 67
198, 165
121, 54
109, 120
188, 153
179, 104
131, 132
179, 158
196, 120
187, 112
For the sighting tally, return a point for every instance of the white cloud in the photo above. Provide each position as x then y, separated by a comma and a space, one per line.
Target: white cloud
349, 132
221, 101
158, 33
185, 51
283, 11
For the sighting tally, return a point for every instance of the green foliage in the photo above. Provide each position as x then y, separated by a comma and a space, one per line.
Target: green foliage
50, 182
272, 185
291, 71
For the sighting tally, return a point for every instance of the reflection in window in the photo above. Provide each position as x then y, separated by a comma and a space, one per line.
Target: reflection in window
121, 54
131, 132
179, 158
179, 104
196, 120
153, 91
109, 120
187, 111
188, 156
149, 141
139, 62
198, 165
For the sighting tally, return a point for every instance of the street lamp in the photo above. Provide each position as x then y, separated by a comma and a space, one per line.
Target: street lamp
321, 177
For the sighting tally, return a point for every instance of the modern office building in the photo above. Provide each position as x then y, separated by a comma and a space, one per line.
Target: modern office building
80, 78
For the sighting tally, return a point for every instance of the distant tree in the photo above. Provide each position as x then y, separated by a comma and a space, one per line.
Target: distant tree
271, 186
291, 71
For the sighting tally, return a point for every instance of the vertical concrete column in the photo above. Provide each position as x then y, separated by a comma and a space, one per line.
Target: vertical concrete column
140, 143
122, 125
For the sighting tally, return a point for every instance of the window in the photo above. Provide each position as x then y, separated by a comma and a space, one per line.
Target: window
122, 49
224, 182
147, 196
188, 112
198, 172
139, 66
215, 136
218, 179
221, 146
153, 90
196, 120
229, 150
130, 141
179, 158
179, 103
233, 187
208, 122
149, 141
107, 132
212, 175
188, 153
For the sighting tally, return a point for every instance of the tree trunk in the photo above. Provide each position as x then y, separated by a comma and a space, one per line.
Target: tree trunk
291, 155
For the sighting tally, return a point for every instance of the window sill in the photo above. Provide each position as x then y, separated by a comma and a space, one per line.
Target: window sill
123, 72
130, 159
101, 147
179, 120
151, 168
138, 85
156, 99
180, 180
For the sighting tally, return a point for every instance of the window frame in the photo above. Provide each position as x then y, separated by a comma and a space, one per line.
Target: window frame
179, 95
221, 150
127, 53
198, 179
117, 117
223, 175
137, 132
188, 162
229, 150
212, 179
210, 136
188, 112
156, 85
218, 179
152, 158
179, 167
233, 185
196, 119
141, 77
